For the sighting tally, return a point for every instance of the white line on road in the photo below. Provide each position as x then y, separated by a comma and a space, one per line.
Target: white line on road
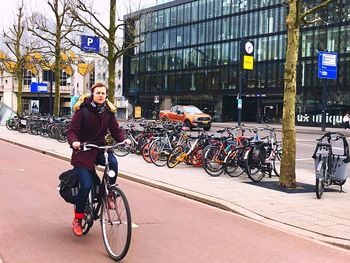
133, 225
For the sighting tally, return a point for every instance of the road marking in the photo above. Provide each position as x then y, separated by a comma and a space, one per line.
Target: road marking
133, 225
304, 159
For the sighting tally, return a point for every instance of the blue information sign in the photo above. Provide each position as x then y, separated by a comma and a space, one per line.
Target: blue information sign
38, 87
90, 44
327, 65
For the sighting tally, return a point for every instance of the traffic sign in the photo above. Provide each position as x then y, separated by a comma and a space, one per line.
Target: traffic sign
38, 87
90, 44
327, 65
239, 103
156, 99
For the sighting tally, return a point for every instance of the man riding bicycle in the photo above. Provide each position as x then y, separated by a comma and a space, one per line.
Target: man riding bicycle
90, 122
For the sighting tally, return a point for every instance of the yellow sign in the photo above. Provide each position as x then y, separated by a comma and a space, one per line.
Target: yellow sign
137, 112
248, 62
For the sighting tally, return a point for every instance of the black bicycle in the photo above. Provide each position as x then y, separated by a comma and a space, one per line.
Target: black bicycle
115, 221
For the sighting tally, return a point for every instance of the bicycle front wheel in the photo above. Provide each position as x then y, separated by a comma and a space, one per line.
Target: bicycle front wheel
116, 224
320, 177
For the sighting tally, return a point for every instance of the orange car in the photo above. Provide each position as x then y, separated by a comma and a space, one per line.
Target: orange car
189, 115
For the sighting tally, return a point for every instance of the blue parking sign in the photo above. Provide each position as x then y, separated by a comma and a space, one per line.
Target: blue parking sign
327, 65
90, 44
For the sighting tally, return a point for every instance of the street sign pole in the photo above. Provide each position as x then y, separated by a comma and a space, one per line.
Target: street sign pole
324, 104
327, 69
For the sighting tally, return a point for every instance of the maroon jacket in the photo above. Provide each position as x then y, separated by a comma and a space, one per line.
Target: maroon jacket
94, 131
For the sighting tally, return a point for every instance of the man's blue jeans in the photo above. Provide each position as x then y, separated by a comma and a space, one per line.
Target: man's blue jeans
85, 180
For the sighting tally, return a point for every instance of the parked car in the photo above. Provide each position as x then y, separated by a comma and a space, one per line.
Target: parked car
189, 115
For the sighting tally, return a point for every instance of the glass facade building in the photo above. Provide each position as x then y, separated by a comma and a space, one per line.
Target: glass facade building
190, 54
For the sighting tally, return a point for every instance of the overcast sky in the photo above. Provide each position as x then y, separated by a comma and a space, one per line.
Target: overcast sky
9, 8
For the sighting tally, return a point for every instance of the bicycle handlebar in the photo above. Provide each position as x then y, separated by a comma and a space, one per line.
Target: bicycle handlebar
89, 146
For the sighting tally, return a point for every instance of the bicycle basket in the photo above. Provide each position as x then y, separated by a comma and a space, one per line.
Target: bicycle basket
339, 152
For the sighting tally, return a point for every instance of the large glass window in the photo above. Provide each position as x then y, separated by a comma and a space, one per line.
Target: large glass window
187, 35
201, 33
201, 56
154, 41
210, 8
262, 49
173, 15
216, 57
186, 59
225, 29
307, 44
333, 39
179, 36
173, 36
187, 13
172, 60
263, 22
226, 6
180, 14
194, 29
166, 39
210, 30
179, 59
201, 11
235, 27
217, 30
253, 23
218, 8
167, 17
225, 53
234, 51
193, 58
160, 18
345, 39
194, 10
273, 48
244, 25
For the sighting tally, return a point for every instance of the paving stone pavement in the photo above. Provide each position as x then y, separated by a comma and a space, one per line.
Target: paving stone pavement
297, 211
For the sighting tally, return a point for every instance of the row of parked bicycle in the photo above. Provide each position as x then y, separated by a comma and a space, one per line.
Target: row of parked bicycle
46, 126
228, 151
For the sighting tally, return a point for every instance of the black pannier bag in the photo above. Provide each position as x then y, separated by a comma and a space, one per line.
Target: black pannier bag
69, 186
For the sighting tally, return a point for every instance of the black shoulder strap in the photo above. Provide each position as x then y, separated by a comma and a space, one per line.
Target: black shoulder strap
86, 114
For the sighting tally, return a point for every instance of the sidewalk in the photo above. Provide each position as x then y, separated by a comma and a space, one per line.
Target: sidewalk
295, 210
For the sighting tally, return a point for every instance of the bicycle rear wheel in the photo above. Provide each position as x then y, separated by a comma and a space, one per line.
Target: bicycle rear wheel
116, 225
159, 153
173, 158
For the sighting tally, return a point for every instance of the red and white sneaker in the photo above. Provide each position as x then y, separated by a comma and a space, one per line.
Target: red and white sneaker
77, 227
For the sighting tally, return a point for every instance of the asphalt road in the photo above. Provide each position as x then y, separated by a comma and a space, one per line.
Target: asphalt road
35, 224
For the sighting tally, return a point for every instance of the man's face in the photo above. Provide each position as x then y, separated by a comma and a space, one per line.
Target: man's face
100, 94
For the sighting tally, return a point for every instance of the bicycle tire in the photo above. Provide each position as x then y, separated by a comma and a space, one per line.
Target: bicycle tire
173, 157
145, 153
196, 157
232, 166
213, 158
320, 177
116, 241
252, 169
121, 149
158, 154
276, 162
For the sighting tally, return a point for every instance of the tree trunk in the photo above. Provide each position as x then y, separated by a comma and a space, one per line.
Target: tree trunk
111, 55
287, 175
19, 93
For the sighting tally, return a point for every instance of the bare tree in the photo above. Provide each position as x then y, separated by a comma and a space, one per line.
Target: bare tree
295, 19
21, 49
82, 12
53, 34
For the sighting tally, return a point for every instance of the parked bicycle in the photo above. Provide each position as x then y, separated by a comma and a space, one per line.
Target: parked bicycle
115, 223
331, 158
